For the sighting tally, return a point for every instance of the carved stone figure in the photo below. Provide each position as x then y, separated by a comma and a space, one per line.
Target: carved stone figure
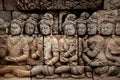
18, 49
112, 50
82, 23
35, 49
51, 54
93, 48
68, 50
3, 40
81, 30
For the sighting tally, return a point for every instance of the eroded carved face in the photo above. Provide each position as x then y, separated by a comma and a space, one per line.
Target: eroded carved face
117, 29
15, 29
45, 29
81, 29
69, 29
107, 28
92, 29
29, 28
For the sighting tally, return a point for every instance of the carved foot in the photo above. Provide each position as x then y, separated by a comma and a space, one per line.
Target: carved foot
39, 76
78, 76
52, 77
89, 74
65, 75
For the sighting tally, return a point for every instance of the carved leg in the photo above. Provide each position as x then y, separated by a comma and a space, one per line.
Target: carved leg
102, 71
77, 72
21, 73
63, 70
6, 69
88, 71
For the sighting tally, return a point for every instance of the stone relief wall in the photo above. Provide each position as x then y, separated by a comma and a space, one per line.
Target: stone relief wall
53, 39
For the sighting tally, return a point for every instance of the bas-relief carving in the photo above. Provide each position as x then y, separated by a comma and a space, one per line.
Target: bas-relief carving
35, 52
68, 63
93, 54
18, 49
59, 55
57, 4
51, 49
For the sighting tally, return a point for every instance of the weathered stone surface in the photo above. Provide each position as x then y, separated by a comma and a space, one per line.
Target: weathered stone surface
10, 5
6, 15
58, 4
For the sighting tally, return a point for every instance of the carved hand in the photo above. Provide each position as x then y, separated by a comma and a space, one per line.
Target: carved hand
96, 63
49, 63
64, 59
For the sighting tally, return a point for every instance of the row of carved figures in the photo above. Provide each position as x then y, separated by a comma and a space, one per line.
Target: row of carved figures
59, 55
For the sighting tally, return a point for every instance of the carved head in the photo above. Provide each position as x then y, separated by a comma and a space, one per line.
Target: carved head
69, 28
30, 26
81, 27
16, 27
46, 23
45, 28
92, 24
107, 27
3, 26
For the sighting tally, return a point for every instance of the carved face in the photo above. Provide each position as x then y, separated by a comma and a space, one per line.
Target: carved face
29, 28
81, 29
69, 29
107, 28
92, 29
15, 29
117, 30
45, 29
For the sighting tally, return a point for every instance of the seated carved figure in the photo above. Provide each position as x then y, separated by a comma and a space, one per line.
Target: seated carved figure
81, 29
18, 49
113, 49
68, 50
94, 48
3, 39
51, 53
18, 52
35, 49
